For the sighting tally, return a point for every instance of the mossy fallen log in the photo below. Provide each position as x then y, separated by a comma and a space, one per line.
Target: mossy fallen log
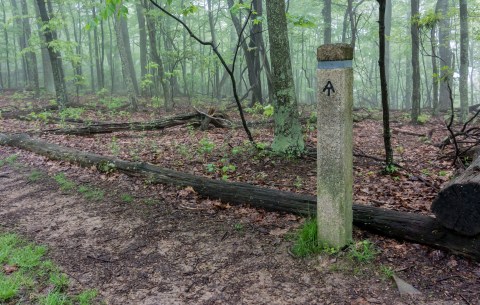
404, 226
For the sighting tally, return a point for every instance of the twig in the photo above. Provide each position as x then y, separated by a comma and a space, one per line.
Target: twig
212, 117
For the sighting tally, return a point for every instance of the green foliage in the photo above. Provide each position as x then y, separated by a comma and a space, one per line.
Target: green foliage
55, 298
363, 251
267, 110
43, 116
189, 9
391, 169
31, 273
298, 183
114, 147
114, 103
428, 20
91, 193
239, 6
59, 280
300, 21
10, 160
238, 226
106, 167
64, 183
442, 173
206, 146
102, 93
35, 176
423, 118
71, 113
127, 198
210, 167
387, 271
306, 242
86, 297
9, 287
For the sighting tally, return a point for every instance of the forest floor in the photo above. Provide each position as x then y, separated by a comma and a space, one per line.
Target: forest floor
142, 243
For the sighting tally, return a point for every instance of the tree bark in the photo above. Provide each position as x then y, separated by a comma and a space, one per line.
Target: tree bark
463, 60
288, 138
414, 30
408, 226
143, 42
102, 128
384, 88
167, 96
457, 206
55, 57
327, 21
31, 57
128, 76
445, 55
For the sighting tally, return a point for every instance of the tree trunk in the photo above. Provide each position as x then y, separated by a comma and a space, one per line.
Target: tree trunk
412, 227
31, 57
327, 21
463, 60
143, 42
102, 128
126, 42
384, 88
416, 96
445, 54
435, 75
251, 52
167, 96
128, 76
457, 206
288, 138
7, 52
55, 57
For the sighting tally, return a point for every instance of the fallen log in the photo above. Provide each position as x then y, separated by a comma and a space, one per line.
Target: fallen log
407, 226
100, 128
457, 205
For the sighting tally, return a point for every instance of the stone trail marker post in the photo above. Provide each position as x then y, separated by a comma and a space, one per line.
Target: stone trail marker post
335, 144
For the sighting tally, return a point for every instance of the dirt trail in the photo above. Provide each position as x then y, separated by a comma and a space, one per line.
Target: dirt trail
170, 254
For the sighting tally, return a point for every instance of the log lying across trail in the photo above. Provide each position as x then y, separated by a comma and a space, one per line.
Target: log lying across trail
457, 205
407, 226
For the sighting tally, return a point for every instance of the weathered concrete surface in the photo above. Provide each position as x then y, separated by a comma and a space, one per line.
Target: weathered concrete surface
334, 151
333, 52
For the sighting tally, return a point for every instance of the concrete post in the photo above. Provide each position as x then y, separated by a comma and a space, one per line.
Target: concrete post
335, 144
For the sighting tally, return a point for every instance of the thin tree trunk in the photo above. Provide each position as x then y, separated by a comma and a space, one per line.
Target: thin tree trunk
143, 42
167, 96
463, 60
7, 52
415, 7
435, 75
384, 86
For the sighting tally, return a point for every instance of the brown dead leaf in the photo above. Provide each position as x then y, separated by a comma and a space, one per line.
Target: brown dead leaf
8, 269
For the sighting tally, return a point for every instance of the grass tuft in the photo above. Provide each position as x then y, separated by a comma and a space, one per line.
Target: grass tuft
29, 273
64, 183
306, 241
